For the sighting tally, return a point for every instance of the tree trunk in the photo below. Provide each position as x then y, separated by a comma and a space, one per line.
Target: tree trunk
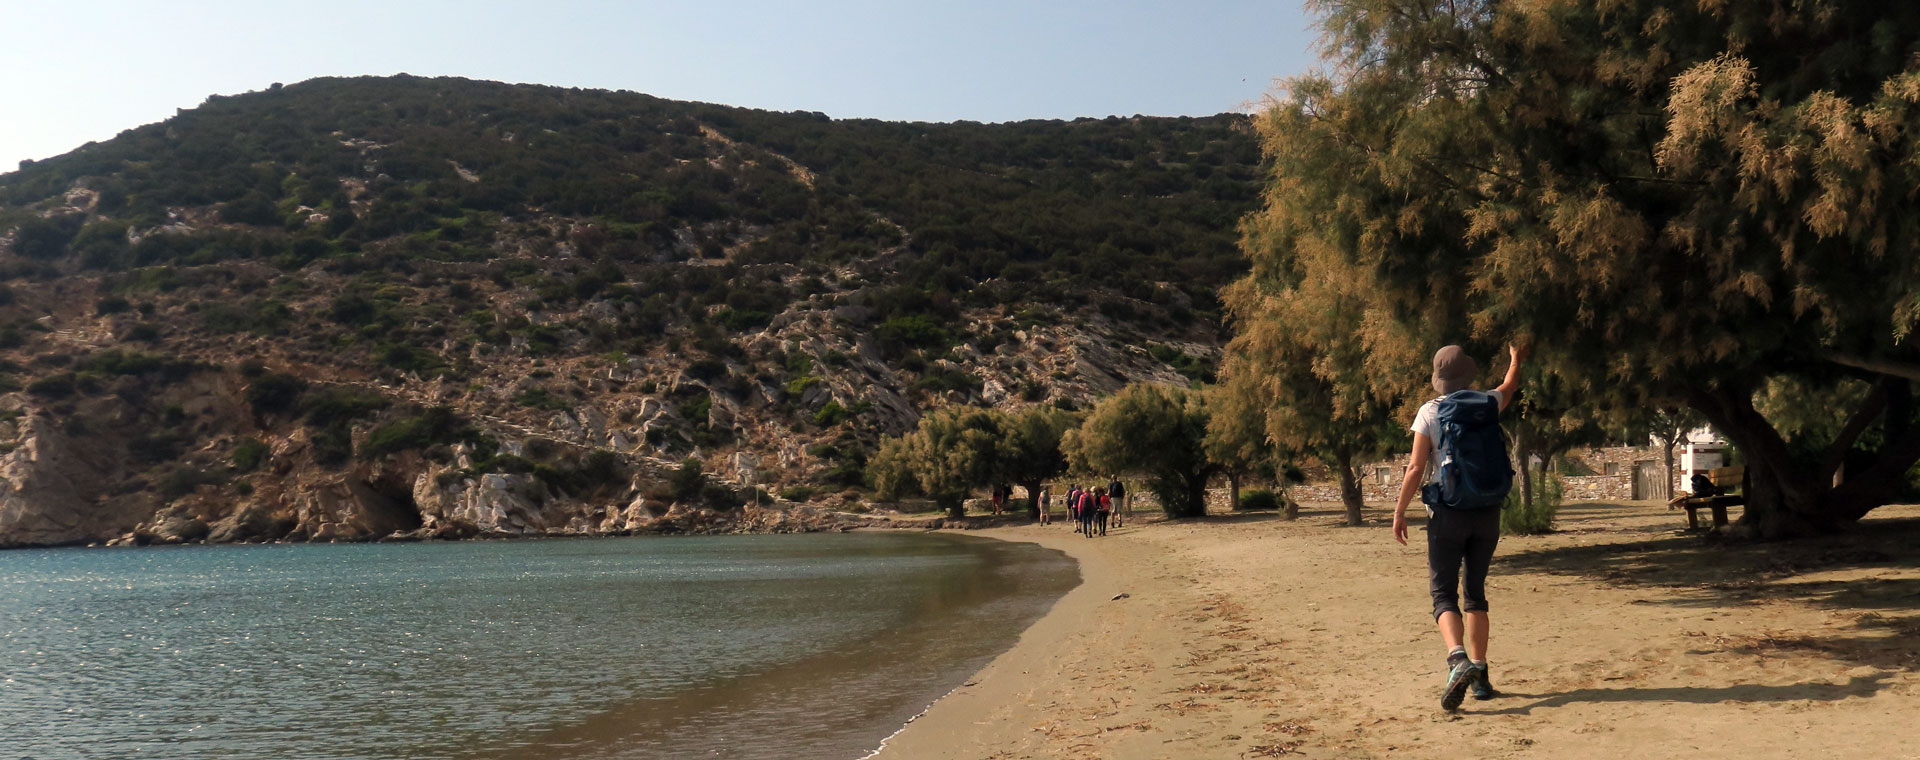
1196, 498
1666, 453
1233, 491
1349, 487
1182, 495
956, 507
1523, 456
1033, 499
1788, 496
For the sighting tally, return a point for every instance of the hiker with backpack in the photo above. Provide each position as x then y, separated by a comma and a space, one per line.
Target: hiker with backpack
1118, 493
1460, 455
1089, 509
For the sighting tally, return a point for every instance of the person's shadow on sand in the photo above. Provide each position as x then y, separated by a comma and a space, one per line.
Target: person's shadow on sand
1859, 686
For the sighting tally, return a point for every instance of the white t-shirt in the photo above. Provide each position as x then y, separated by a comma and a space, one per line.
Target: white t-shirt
1427, 421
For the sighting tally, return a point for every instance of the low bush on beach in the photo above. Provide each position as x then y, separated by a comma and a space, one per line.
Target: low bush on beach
1517, 518
1258, 500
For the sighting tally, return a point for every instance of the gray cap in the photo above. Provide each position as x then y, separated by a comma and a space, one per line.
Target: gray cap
1453, 369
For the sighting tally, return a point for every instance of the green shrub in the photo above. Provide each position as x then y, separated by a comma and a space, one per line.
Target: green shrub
46, 238
1258, 500
799, 385
249, 454
830, 414
797, 493
541, 398
1516, 519
340, 405
698, 410
742, 320
265, 317
688, 481
181, 481
118, 362
600, 468
405, 358
158, 446
898, 334
435, 425
333, 443
53, 387
275, 392
943, 380
112, 305
706, 369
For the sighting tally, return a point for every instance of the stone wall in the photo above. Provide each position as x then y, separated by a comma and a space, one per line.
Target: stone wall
1612, 472
1611, 477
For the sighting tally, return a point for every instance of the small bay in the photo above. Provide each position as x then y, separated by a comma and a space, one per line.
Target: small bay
736, 647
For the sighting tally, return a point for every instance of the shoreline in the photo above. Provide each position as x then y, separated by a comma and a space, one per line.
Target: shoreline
958, 708
1004, 679
743, 524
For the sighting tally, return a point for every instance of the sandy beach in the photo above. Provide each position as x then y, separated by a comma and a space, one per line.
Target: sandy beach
1248, 637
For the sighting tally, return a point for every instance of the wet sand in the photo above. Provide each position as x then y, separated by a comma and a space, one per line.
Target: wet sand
1246, 636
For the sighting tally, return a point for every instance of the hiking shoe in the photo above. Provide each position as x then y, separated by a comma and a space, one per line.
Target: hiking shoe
1482, 685
1459, 677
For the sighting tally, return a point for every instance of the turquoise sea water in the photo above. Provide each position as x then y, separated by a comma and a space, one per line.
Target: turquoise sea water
730, 647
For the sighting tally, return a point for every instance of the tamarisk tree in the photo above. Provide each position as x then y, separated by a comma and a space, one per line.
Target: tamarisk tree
953, 451
1157, 430
958, 449
1689, 200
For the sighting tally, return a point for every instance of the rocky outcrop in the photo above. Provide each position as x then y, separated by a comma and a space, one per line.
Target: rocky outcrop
51, 488
490, 504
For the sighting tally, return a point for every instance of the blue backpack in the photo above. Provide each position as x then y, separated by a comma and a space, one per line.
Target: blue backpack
1474, 470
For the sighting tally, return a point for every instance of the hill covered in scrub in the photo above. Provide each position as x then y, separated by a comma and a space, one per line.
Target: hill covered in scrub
348, 308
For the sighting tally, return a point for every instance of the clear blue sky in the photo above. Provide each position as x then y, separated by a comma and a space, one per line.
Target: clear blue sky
85, 71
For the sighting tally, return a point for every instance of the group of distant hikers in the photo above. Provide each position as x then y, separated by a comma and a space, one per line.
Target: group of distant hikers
1092, 510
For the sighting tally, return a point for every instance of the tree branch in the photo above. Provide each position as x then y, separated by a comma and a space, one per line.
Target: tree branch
1880, 366
1732, 413
1864, 416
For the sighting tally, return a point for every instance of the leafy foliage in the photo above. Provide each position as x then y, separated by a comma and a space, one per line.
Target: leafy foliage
1532, 514
434, 426
1258, 500
959, 449
249, 454
275, 392
1156, 430
1676, 200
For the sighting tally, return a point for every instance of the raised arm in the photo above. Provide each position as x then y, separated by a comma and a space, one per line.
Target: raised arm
1511, 385
1410, 484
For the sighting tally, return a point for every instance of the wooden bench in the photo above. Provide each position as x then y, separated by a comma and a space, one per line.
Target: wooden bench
1724, 479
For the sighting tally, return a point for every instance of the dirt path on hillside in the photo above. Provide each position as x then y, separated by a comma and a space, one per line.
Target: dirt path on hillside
1617, 637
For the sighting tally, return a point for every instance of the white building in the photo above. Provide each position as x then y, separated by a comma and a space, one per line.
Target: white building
1701, 451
